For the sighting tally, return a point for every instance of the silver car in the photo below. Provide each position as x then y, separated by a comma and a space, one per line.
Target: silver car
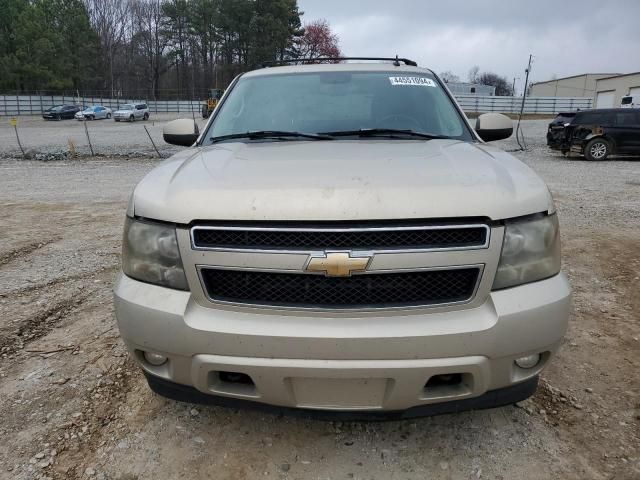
130, 112
340, 238
95, 112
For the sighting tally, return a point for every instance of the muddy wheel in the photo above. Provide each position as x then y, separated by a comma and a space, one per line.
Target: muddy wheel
597, 149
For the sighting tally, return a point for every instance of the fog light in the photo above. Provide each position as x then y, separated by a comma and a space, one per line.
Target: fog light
155, 358
529, 361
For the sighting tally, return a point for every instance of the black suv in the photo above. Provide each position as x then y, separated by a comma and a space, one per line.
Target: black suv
61, 112
596, 134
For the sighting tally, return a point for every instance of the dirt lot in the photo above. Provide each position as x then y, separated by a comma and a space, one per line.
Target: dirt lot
73, 405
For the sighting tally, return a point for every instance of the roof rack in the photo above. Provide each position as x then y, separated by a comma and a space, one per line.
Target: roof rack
396, 61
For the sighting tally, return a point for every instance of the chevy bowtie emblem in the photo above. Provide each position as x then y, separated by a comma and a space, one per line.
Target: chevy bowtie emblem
337, 264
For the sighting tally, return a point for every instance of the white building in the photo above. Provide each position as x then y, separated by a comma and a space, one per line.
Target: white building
460, 88
610, 90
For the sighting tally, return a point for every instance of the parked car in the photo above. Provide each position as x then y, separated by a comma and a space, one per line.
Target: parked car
60, 112
95, 112
131, 112
596, 134
630, 101
340, 238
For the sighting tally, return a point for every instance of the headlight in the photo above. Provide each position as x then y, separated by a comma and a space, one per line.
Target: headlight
530, 252
150, 254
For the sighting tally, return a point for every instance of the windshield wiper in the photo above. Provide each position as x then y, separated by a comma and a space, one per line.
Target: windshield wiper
260, 134
385, 132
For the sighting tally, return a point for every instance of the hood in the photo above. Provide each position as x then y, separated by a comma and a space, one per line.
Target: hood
340, 180
124, 111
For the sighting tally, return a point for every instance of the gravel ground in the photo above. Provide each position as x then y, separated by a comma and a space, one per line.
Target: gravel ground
108, 138
74, 406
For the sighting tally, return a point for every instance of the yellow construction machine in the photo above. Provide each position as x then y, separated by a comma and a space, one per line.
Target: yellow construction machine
215, 94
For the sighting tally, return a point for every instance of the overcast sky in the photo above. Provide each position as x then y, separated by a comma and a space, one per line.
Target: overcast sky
566, 37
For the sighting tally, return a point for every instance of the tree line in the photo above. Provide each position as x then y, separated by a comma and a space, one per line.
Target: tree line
148, 49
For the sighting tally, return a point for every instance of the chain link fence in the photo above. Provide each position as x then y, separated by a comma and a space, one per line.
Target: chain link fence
36, 104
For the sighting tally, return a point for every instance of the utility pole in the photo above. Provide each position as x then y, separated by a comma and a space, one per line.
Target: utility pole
524, 97
513, 87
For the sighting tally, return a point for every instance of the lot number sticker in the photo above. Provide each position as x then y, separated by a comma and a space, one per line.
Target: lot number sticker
419, 81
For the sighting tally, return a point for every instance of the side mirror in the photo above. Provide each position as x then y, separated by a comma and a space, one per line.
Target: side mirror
182, 132
493, 126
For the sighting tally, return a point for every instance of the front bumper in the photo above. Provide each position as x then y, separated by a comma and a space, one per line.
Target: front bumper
493, 398
556, 140
380, 362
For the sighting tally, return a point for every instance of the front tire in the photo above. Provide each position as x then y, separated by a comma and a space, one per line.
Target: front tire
108, 116
597, 149
146, 117
132, 118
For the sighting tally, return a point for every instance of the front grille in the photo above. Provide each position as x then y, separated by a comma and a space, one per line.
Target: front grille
322, 239
380, 290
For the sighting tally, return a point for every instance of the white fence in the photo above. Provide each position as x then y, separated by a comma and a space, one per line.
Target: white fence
537, 105
35, 105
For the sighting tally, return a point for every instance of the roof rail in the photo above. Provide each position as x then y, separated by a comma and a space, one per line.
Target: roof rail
396, 61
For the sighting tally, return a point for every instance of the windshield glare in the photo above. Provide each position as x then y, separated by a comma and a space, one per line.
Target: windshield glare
336, 101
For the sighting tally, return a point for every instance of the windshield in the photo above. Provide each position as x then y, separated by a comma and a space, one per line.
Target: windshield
338, 101
626, 100
128, 106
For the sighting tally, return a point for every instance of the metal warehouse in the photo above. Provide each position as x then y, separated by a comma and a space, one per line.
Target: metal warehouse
575, 86
610, 90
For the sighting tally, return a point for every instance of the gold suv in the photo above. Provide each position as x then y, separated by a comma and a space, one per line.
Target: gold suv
340, 238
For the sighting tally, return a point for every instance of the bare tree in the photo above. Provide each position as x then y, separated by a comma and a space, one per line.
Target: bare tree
110, 19
149, 40
474, 74
449, 77
495, 80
